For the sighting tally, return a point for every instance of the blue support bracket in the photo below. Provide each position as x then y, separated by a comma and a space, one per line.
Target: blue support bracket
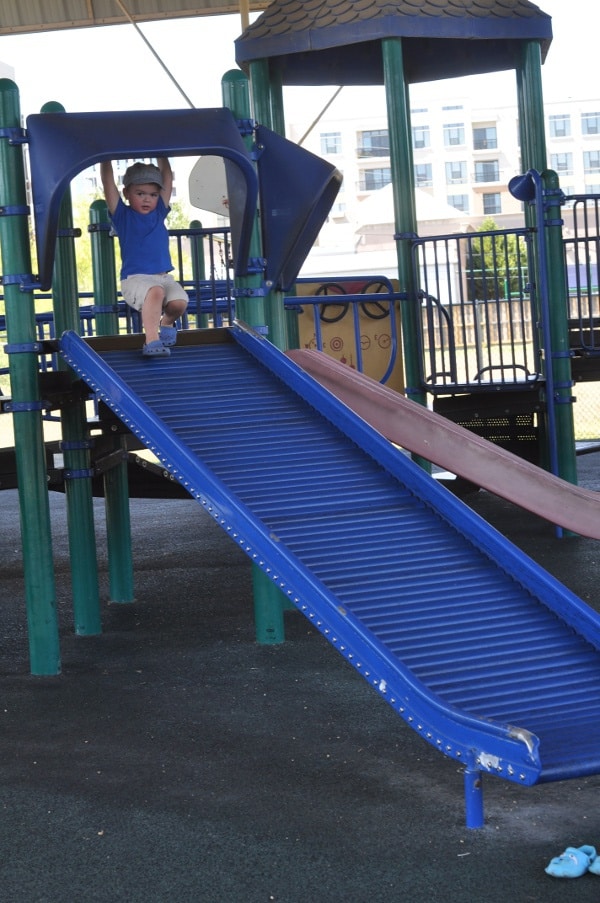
21, 279
105, 308
20, 407
15, 210
76, 445
14, 134
258, 292
246, 126
23, 348
85, 473
256, 265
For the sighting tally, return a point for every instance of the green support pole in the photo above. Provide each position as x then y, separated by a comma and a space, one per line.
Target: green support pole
402, 169
263, 103
75, 440
104, 275
198, 269
533, 156
559, 332
40, 594
269, 602
401, 164
250, 299
116, 482
269, 101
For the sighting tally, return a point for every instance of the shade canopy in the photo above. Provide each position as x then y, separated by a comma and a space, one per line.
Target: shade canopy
52, 15
337, 42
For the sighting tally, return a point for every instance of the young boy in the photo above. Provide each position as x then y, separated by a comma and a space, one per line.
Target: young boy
146, 281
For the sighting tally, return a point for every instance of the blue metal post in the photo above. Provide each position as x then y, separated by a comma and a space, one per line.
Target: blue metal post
474, 798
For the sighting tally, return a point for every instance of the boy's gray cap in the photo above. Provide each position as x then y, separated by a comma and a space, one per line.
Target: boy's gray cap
142, 174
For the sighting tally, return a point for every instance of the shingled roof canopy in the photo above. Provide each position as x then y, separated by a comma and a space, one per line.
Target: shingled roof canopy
321, 42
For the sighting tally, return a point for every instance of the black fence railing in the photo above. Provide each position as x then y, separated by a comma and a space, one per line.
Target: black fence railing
477, 311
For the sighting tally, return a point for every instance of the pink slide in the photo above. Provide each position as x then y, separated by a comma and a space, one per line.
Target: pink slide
454, 448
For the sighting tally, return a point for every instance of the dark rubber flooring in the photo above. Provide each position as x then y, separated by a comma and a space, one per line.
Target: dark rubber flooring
176, 760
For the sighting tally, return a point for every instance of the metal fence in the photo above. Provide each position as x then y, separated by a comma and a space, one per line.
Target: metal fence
582, 254
477, 311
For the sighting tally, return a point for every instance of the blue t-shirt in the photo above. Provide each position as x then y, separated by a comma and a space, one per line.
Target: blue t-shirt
143, 239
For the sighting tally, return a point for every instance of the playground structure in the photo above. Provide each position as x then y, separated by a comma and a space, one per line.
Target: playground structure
210, 433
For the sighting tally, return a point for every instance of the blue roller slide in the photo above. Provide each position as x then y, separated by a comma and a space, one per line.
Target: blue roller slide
481, 651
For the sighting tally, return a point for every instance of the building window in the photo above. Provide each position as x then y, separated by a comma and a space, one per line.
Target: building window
592, 189
487, 171
560, 125
454, 134
331, 143
423, 176
338, 211
590, 123
485, 137
374, 144
591, 161
456, 173
460, 201
492, 203
420, 136
562, 164
372, 179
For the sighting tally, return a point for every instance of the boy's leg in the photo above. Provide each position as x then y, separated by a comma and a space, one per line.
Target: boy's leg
152, 309
173, 311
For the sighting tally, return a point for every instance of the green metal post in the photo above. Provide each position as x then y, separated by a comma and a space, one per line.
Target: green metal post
559, 332
401, 164
198, 269
250, 300
40, 595
533, 156
75, 440
104, 276
269, 601
116, 482
263, 103
531, 107
405, 214
269, 101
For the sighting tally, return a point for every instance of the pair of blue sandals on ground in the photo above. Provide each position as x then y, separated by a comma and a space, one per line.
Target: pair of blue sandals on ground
162, 346
574, 862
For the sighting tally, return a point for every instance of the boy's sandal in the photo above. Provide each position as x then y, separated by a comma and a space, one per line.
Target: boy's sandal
155, 349
168, 335
574, 862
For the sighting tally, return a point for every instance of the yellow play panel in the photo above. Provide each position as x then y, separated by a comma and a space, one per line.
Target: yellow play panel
348, 335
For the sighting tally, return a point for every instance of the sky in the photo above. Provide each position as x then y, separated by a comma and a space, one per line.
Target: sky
111, 68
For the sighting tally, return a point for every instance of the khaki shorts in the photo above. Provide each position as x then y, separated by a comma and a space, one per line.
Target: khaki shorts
135, 288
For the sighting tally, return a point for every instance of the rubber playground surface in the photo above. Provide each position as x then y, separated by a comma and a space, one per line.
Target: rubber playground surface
176, 760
